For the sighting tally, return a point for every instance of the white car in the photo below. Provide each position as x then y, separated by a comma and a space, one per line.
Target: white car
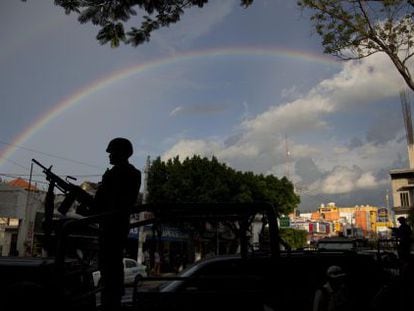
131, 269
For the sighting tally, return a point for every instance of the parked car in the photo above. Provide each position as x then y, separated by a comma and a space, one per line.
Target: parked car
132, 269
262, 282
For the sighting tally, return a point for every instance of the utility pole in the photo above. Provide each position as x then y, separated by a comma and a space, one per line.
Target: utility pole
26, 226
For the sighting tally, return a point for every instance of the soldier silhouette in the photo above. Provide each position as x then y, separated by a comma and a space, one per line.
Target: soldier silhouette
403, 234
117, 194
334, 294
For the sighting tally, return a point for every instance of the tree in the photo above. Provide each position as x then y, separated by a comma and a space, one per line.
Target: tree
206, 180
111, 16
355, 29
294, 237
203, 180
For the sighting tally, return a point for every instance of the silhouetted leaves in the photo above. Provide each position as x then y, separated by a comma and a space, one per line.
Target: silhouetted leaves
206, 180
112, 16
357, 29
293, 237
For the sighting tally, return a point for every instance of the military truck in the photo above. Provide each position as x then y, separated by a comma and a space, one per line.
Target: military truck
263, 278
60, 280
36, 283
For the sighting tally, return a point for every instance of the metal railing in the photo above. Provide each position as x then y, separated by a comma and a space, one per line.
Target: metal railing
173, 213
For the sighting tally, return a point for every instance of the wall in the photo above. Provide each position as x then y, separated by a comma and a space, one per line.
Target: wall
18, 203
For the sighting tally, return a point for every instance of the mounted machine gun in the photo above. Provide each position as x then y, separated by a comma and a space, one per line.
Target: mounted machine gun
72, 193
52, 281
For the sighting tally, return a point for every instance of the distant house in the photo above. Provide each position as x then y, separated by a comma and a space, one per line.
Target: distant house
21, 183
18, 208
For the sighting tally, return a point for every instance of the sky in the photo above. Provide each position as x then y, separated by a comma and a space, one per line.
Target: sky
249, 86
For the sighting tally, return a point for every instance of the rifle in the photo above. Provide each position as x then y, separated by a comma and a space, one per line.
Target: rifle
72, 192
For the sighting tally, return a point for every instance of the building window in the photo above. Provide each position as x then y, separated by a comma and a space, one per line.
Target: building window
405, 201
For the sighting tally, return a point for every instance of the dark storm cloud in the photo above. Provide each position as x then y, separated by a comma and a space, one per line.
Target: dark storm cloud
307, 170
385, 127
374, 197
355, 142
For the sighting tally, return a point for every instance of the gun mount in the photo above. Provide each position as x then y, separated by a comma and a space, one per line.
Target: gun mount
72, 192
45, 282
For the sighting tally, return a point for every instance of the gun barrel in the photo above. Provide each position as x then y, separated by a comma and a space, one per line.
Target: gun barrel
38, 163
72, 192
58, 182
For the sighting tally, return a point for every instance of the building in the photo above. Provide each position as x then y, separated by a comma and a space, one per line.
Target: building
402, 180
402, 184
356, 221
18, 208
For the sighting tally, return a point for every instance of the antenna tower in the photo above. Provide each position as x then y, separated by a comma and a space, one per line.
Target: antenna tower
287, 158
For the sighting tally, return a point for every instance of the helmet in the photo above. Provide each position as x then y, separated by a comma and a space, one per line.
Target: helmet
401, 219
120, 145
334, 272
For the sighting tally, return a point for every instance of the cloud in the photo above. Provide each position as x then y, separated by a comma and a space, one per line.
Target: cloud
344, 180
246, 112
260, 145
194, 23
379, 134
288, 119
308, 170
361, 82
176, 111
355, 142
187, 148
291, 92
369, 156
198, 109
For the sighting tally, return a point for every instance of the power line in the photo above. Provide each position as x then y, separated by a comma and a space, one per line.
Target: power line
33, 181
40, 175
47, 154
17, 164
20, 175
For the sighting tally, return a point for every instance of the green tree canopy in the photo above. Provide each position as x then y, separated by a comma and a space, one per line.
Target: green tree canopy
112, 16
354, 29
294, 237
206, 180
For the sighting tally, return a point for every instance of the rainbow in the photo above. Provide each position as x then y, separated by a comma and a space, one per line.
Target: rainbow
76, 98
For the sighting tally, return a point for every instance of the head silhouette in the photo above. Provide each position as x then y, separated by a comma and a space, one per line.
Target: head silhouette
119, 149
402, 220
336, 276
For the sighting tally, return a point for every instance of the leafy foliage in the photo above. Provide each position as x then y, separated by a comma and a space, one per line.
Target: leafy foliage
295, 238
206, 180
112, 15
354, 29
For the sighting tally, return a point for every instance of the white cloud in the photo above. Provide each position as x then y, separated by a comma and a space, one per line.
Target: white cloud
260, 145
341, 180
194, 23
176, 111
187, 148
292, 117
367, 180
361, 82
368, 156
344, 180
291, 92
246, 111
